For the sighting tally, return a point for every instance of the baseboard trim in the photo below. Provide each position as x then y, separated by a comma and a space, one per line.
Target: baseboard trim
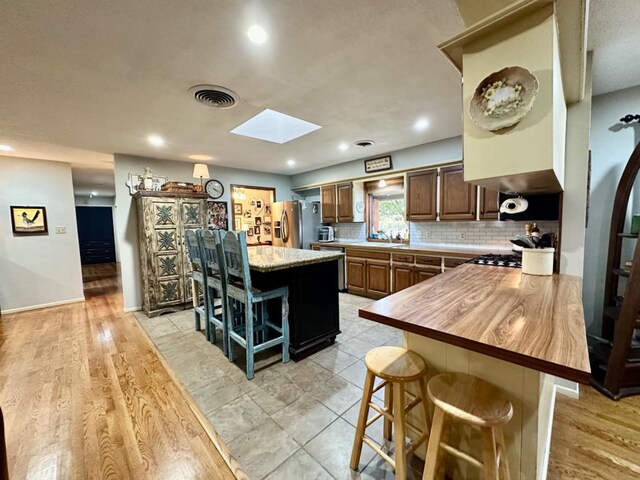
568, 392
132, 309
43, 305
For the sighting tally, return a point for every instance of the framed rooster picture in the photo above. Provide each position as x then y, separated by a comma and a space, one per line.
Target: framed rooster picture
29, 220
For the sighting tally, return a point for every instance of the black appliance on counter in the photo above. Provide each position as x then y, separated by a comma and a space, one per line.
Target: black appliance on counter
508, 260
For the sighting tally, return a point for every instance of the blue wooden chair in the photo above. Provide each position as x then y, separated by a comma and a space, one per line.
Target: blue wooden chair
253, 332
198, 280
211, 248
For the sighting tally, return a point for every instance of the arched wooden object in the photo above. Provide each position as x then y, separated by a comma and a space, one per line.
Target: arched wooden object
620, 379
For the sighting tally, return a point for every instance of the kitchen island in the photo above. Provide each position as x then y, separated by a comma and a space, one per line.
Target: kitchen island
516, 331
312, 279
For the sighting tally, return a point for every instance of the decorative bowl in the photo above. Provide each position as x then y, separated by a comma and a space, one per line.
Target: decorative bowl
503, 98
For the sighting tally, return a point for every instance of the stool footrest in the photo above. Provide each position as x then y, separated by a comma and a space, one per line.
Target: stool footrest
412, 404
382, 385
460, 454
373, 419
417, 444
381, 411
374, 446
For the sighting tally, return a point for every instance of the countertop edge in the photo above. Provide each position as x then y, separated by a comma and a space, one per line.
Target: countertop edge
416, 249
483, 348
302, 263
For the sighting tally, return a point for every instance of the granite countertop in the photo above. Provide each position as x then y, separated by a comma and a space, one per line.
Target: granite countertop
437, 248
533, 321
268, 259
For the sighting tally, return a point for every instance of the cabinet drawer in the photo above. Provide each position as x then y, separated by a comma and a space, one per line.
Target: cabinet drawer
428, 260
368, 254
454, 262
398, 257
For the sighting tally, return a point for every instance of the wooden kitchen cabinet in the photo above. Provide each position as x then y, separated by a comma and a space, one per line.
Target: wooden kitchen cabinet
356, 275
489, 208
421, 195
403, 276
457, 197
378, 277
425, 273
328, 203
345, 202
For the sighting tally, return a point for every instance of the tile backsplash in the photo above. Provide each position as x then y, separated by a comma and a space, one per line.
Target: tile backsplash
483, 233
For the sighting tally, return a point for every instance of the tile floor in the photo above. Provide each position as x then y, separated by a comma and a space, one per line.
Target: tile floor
292, 421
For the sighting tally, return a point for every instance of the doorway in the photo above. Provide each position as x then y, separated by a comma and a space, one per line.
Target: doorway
95, 235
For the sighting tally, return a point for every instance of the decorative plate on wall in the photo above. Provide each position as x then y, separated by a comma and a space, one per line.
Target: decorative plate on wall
503, 98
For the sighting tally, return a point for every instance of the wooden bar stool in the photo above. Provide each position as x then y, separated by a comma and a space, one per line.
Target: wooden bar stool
473, 401
211, 253
198, 281
396, 366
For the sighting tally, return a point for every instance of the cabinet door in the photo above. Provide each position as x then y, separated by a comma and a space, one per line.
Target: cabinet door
425, 273
403, 277
378, 278
421, 195
489, 209
345, 202
356, 275
328, 203
457, 198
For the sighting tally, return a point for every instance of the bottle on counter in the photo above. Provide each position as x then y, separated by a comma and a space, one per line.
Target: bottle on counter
527, 229
535, 231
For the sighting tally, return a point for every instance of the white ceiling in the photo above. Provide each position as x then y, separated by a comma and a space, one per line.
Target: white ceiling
83, 82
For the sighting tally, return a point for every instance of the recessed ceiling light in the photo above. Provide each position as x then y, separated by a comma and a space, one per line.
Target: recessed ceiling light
291, 162
343, 146
257, 34
156, 140
94, 193
421, 124
275, 127
5, 148
200, 157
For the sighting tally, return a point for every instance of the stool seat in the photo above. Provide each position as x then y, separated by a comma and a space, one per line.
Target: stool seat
470, 399
395, 364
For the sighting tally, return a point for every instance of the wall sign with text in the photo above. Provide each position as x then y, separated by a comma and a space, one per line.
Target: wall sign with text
377, 164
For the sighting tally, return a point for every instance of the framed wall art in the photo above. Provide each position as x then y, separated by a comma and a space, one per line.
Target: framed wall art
217, 215
29, 220
377, 164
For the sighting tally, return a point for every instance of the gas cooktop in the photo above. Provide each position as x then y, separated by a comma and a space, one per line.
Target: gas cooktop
514, 261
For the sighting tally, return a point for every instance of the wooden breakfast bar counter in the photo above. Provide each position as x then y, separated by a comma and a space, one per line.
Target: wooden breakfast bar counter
514, 330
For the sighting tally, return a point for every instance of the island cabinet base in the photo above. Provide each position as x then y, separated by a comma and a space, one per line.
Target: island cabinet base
314, 315
532, 393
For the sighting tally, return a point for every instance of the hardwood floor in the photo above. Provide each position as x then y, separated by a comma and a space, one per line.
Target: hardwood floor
85, 396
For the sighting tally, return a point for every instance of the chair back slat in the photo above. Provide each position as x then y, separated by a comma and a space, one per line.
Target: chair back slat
210, 248
193, 250
236, 258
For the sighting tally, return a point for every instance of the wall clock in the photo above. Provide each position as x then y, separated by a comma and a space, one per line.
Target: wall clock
214, 189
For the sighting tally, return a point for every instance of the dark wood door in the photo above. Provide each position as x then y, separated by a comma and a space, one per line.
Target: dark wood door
356, 275
489, 208
425, 273
421, 195
457, 197
378, 277
345, 202
403, 277
328, 203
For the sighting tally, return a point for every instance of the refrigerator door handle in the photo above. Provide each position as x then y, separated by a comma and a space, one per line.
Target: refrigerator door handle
284, 221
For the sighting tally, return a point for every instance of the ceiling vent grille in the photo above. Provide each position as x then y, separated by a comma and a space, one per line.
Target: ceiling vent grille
214, 96
364, 143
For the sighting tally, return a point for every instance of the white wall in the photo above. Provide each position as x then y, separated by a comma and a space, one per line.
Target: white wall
44, 269
611, 145
96, 201
126, 216
449, 150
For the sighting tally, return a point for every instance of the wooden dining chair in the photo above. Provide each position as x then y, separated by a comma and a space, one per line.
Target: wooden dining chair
198, 281
253, 333
216, 315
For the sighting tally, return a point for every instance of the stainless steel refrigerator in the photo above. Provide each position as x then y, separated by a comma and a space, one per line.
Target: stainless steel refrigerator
295, 223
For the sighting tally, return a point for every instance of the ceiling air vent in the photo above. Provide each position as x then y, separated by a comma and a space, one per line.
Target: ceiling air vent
364, 143
214, 96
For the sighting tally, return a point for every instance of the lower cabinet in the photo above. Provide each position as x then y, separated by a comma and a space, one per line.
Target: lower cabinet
357, 275
425, 273
403, 276
378, 277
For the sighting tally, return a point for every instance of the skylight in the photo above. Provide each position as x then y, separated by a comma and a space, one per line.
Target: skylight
275, 127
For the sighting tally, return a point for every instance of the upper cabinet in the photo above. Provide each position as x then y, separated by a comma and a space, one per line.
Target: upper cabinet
421, 191
328, 203
342, 203
489, 208
457, 198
